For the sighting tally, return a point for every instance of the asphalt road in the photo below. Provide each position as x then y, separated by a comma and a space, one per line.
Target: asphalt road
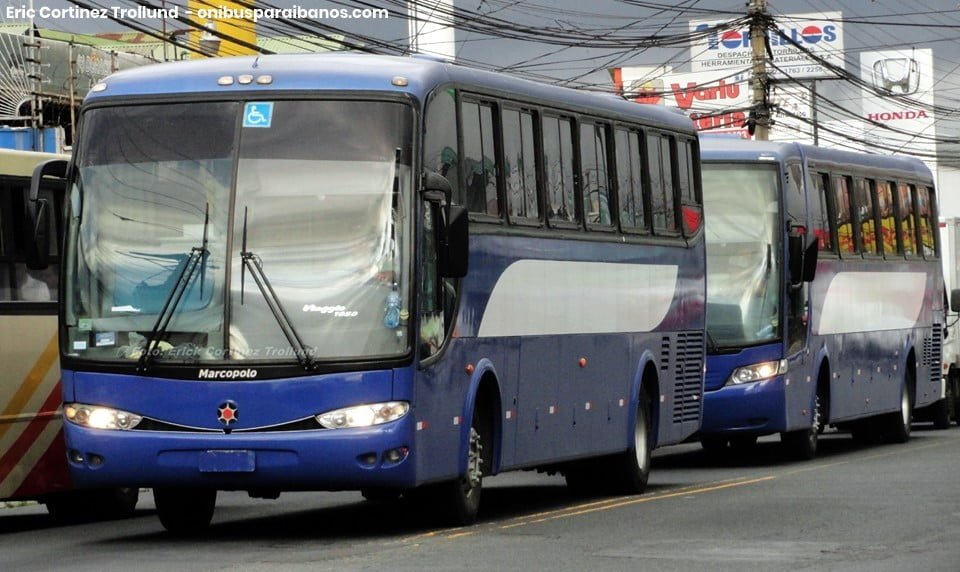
854, 508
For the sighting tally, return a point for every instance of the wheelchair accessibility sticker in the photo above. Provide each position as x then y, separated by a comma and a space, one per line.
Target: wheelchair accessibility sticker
258, 114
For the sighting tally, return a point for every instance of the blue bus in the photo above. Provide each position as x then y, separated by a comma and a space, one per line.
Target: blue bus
392, 275
825, 295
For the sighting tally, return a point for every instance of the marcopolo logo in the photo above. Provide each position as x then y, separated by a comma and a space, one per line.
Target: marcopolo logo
227, 374
739, 39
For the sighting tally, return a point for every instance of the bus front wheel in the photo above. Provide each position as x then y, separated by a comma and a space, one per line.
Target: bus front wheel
183, 511
802, 445
459, 500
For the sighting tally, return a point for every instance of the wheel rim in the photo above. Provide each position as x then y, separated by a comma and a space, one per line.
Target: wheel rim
905, 408
474, 463
640, 440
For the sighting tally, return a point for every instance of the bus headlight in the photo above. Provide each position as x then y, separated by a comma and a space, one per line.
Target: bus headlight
363, 415
758, 371
97, 417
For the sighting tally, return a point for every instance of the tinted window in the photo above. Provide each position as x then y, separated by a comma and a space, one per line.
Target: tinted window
593, 164
888, 223
17, 282
841, 200
479, 159
440, 140
821, 213
629, 180
520, 167
661, 183
927, 221
868, 227
558, 167
686, 182
907, 227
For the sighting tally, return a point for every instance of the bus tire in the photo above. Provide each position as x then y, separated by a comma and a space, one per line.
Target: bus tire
88, 506
940, 414
802, 445
459, 500
185, 512
896, 426
632, 467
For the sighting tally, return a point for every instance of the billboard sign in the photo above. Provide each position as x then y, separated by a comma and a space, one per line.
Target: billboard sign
820, 33
716, 101
898, 104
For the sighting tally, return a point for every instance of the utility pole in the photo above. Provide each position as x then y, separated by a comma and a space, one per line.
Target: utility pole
760, 106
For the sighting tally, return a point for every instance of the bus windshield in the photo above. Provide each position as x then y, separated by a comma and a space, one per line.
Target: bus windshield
741, 210
315, 192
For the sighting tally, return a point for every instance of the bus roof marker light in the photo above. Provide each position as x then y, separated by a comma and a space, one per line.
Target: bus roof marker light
265, 79
245, 79
225, 80
102, 86
399, 81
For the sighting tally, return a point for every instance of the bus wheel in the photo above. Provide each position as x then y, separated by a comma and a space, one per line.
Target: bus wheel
940, 414
802, 445
185, 511
713, 445
86, 506
897, 425
632, 468
459, 500
118, 503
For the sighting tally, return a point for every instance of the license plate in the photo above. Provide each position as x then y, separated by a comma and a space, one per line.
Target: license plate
228, 462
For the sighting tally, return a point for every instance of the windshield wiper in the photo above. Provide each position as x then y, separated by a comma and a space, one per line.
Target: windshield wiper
196, 258
253, 263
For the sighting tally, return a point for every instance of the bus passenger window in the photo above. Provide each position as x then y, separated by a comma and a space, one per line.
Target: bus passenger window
686, 183
661, 183
907, 226
440, 140
865, 217
629, 179
558, 166
888, 223
593, 179
841, 198
927, 222
479, 159
520, 167
821, 213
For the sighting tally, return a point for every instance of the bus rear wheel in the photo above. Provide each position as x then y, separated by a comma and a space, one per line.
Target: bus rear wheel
185, 512
632, 467
896, 426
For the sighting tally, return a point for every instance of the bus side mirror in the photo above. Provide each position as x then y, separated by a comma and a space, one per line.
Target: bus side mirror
803, 261
955, 300
810, 261
38, 213
455, 260
453, 238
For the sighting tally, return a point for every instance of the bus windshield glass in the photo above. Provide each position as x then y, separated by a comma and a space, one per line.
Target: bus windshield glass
313, 195
742, 211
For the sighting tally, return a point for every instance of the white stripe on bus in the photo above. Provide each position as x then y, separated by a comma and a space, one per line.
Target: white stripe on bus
870, 301
539, 297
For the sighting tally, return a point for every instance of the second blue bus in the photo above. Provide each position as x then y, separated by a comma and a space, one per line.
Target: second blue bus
825, 299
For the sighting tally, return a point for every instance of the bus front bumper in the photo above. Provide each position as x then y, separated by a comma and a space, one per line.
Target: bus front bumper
752, 408
333, 459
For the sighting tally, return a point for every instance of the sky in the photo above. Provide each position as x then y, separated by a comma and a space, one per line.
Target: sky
551, 39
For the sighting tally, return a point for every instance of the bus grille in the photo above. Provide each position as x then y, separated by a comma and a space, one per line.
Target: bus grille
932, 353
688, 376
